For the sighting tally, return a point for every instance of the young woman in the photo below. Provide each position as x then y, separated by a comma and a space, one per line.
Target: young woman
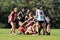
21, 16
27, 14
40, 19
48, 24
12, 21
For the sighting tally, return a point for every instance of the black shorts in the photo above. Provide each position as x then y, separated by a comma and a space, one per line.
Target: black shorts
14, 21
21, 20
40, 22
47, 23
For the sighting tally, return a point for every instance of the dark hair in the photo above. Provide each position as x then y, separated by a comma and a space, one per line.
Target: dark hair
22, 8
38, 7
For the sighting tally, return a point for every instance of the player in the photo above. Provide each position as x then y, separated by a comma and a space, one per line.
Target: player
12, 20
48, 24
21, 16
40, 18
27, 14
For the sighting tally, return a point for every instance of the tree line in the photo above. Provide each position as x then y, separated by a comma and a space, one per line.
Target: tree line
50, 6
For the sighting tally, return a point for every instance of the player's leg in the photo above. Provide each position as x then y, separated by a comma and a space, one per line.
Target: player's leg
48, 29
26, 32
29, 30
14, 27
38, 26
33, 27
12, 24
44, 28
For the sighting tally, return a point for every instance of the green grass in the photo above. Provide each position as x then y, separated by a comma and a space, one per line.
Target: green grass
4, 35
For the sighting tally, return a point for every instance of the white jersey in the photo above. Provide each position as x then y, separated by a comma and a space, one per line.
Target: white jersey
47, 19
40, 15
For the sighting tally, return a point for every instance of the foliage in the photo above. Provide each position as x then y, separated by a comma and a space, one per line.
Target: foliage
6, 6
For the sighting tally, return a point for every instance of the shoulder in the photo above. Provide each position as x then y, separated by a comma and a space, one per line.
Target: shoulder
37, 10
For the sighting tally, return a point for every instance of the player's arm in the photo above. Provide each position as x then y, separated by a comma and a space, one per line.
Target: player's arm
36, 14
19, 17
10, 14
48, 18
26, 17
9, 17
43, 13
27, 21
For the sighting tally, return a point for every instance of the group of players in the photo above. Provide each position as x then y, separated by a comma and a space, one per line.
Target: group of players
29, 23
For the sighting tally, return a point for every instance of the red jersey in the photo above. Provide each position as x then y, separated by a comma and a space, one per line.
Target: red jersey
13, 16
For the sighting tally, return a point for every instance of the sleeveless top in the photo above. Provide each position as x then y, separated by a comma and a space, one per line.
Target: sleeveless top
13, 16
40, 15
47, 20
22, 15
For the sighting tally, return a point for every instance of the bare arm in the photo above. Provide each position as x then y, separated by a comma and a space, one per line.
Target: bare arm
27, 21
48, 18
36, 14
10, 14
9, 17
18, 15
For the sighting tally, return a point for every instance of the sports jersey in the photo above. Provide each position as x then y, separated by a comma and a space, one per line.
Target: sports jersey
40, 15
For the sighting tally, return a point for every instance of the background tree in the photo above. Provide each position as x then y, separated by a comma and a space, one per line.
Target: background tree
52, 7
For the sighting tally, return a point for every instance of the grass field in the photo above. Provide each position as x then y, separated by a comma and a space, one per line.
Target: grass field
4, 35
